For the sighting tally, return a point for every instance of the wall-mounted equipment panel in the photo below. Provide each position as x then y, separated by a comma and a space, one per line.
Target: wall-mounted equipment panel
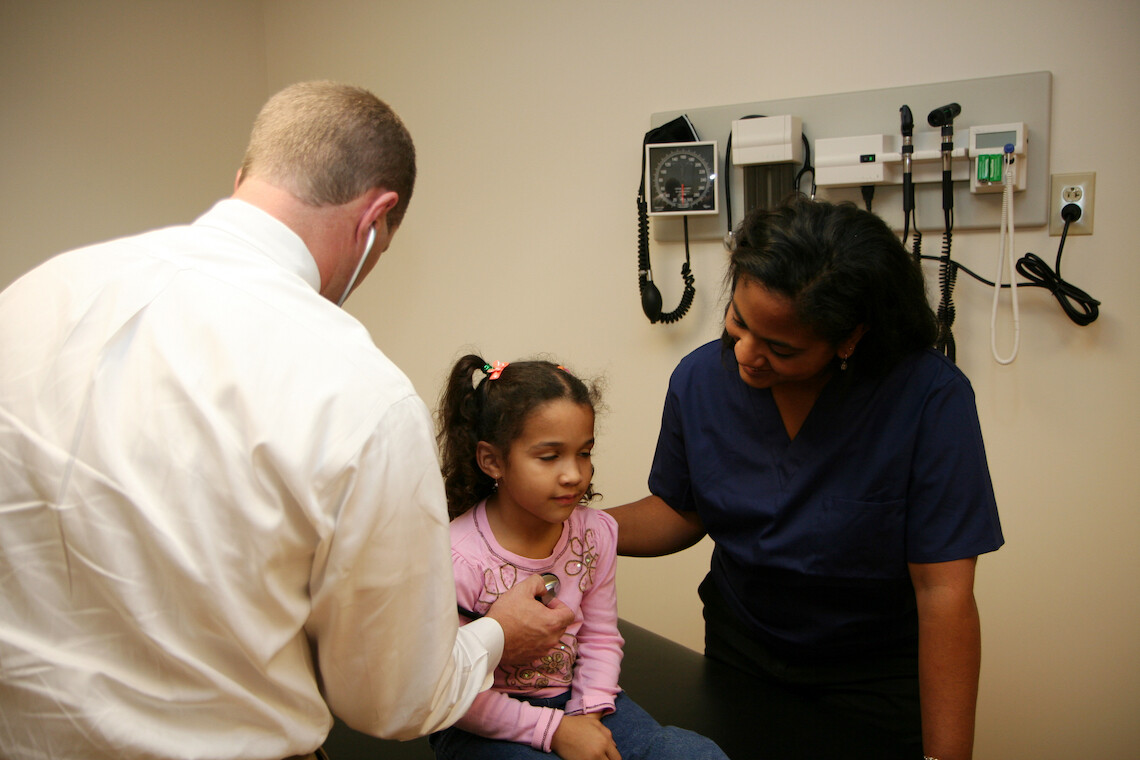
855, 140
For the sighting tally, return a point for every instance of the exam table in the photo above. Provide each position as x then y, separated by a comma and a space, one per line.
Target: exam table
679, 687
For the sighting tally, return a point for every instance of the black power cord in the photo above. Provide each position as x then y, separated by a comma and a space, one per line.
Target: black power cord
1078, 305
868, 192
807, 167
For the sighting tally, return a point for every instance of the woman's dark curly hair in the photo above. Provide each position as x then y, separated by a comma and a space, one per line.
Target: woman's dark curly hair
841, 267
494, 411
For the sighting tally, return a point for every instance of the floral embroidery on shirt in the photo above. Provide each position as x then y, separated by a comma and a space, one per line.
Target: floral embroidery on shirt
555, 668
585, 559
495, 586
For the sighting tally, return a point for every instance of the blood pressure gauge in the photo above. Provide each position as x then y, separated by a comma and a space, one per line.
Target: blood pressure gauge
682, 178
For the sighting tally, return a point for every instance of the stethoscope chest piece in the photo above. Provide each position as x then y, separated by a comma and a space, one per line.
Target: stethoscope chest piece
552, 586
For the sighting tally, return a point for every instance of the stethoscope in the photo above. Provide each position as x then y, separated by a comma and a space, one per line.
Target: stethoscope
359, 265
552, 586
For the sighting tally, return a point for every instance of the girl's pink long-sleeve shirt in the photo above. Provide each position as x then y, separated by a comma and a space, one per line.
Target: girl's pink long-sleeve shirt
588, 659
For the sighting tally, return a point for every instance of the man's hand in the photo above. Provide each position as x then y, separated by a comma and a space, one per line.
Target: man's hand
583, 737
530, 628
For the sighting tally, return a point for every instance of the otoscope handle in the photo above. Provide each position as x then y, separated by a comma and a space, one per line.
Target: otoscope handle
944, 116
907, 119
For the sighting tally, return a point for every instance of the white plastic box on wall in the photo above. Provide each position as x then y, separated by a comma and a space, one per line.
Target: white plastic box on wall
767, 140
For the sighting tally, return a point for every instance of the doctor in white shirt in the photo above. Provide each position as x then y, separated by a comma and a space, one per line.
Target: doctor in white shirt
221, 514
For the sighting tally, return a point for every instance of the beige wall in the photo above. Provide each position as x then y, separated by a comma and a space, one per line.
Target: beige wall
528, 115
116, 116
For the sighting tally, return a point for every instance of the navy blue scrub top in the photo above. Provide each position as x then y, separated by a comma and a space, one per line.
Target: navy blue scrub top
813, 535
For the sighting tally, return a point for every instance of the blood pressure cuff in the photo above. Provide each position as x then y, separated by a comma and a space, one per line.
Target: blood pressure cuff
677, 130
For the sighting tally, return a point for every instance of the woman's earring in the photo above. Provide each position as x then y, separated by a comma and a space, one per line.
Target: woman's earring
843, 364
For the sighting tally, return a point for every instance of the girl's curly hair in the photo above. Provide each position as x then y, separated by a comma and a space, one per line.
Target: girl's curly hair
475, 409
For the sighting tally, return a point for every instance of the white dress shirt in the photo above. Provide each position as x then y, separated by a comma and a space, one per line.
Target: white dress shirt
208, 472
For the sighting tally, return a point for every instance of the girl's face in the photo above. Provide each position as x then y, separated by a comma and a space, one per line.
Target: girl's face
548, 468
771, 345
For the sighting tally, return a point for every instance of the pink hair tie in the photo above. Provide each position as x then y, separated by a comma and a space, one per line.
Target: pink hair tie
494, 370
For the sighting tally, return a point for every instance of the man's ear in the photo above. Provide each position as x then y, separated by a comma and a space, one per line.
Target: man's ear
489, 459
378, 207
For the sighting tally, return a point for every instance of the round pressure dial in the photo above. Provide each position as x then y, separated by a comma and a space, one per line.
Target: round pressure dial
682, 178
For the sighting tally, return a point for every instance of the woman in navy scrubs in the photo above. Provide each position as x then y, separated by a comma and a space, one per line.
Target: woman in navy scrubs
836, 461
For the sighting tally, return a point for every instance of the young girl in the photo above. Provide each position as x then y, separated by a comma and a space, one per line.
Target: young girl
515, 442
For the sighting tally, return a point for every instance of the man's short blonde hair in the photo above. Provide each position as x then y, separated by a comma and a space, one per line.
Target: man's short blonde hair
328, 143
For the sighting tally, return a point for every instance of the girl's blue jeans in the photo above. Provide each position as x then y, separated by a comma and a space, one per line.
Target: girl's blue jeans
637, 736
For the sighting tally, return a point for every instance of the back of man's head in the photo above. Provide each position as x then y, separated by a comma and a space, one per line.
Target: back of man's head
328, 143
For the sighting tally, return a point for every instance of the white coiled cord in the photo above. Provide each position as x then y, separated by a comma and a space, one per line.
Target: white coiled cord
1004, 253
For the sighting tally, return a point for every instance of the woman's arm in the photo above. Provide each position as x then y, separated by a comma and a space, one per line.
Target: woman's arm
651, 528
949, 656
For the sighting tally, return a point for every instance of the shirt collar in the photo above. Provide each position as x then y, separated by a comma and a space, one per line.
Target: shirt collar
265, 233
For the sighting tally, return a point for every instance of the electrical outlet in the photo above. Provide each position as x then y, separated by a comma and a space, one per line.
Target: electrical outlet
1072, 188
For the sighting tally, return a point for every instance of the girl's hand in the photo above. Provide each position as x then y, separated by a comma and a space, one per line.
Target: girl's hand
583, 737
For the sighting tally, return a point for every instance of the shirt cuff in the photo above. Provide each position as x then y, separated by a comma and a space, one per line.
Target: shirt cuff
487, 634
544, 730
601, 702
